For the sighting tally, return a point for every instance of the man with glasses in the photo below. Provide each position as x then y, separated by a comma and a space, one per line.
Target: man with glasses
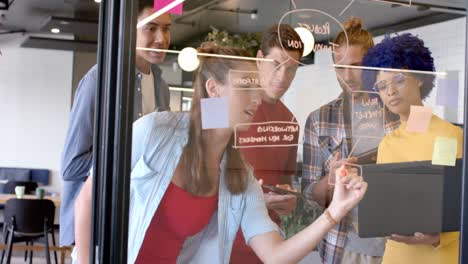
327, 145
272, 165
151, 93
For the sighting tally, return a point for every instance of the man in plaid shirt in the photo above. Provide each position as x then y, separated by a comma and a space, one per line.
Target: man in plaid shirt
328, 142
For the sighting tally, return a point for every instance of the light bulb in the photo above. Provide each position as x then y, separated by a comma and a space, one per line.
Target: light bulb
188, 59
307, 38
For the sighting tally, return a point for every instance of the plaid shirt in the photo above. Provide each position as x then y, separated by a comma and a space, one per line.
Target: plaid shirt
326, 133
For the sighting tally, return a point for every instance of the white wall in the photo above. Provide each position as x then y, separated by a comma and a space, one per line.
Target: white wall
316, 85
35, 92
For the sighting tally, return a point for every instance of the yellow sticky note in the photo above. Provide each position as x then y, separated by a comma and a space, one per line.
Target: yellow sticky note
419, 119
445, 151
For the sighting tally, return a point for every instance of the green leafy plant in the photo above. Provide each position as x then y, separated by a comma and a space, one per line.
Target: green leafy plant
249, 41
301, 217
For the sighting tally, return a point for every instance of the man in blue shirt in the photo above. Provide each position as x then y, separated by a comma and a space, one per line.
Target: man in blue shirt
151, 93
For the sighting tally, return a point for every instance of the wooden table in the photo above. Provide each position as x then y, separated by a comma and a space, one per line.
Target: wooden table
64, 251
5, 197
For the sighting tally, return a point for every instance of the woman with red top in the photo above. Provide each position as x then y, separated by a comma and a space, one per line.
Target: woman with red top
191, 190
169, 228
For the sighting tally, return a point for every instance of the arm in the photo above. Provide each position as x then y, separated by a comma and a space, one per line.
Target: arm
77, 154
270, 247
83, 222
320, 192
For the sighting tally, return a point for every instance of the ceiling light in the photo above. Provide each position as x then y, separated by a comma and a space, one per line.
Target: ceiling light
188, 59
307, 38
55, 30
253, 15
97, 1
181, 89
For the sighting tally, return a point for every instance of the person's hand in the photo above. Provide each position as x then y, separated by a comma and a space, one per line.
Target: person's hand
349, 190
336, 163
418, 238
281, 204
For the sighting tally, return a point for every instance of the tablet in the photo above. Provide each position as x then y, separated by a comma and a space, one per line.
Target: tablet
368, 157
404, 198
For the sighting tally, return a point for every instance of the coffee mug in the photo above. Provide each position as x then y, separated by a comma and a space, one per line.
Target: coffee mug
19, 190
40, 193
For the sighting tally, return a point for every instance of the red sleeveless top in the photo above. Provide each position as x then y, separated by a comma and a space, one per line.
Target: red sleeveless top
179, 216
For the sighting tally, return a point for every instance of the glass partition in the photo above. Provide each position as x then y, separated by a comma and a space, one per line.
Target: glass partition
223, 128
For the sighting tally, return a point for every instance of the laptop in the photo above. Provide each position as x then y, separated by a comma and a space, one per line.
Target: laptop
404, 198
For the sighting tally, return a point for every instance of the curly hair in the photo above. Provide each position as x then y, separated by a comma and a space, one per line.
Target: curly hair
404, 51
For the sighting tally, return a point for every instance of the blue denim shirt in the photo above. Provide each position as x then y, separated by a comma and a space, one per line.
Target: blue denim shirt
77, 155
158, 142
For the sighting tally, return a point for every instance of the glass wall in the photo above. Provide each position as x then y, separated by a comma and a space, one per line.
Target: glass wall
247, 132
340, 128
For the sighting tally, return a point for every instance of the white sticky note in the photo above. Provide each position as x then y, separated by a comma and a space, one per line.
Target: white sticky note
419, 119
214, 113
447, 90
445, 151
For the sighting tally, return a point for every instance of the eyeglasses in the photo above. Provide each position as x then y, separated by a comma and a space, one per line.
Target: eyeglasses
398, 80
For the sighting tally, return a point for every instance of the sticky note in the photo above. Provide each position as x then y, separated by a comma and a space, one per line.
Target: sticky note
159, 4
419, 119
214, 113
447, 90
445, 151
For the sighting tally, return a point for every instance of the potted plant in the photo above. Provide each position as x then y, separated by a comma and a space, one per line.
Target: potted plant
249, 41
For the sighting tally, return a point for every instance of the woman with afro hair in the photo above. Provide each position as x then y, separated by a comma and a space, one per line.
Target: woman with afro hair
399, 91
